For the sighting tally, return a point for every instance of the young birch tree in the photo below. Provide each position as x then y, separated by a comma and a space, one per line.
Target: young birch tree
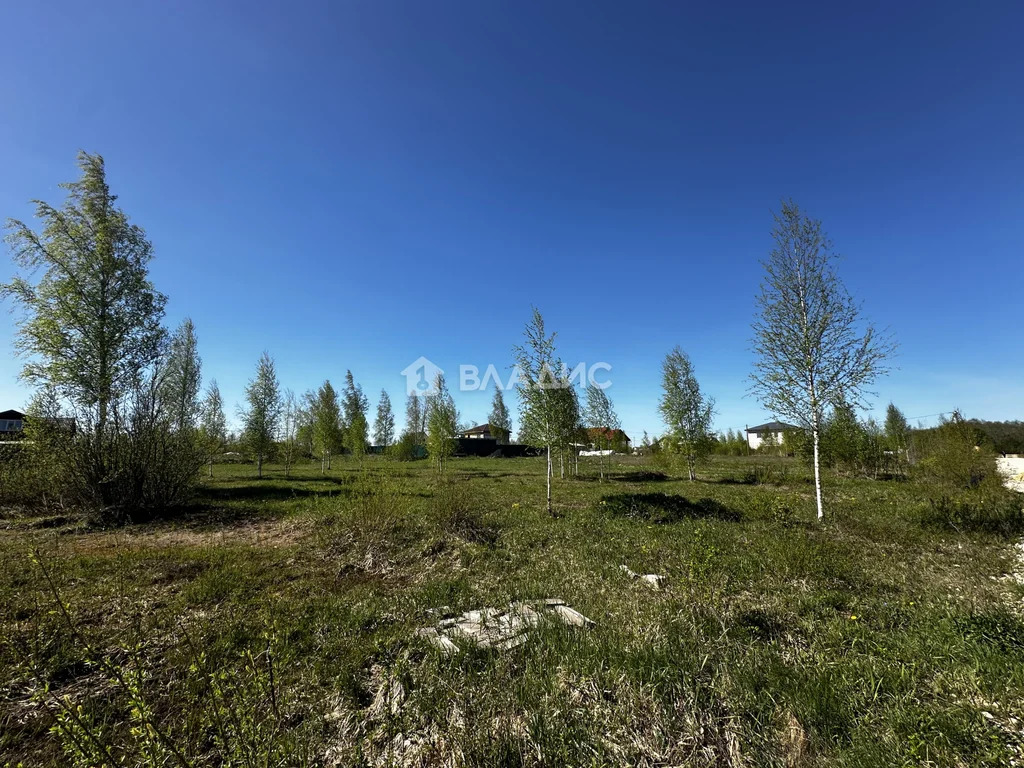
326, 419
539, 405
600, 417
289, 430
384, 424
262, 415
213, 426
413, 418
686, 411
813, 347
500, 420
356, 427
442, 423
179, 388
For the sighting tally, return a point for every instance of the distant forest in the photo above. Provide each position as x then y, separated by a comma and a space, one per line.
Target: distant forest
1004, 436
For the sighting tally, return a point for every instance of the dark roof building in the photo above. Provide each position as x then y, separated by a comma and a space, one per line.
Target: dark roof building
772, 426
484, 431
11, 421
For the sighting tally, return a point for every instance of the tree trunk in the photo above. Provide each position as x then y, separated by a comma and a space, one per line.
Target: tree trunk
323, 463
259, 465
561, 464
817, 473
549, 481
691, 465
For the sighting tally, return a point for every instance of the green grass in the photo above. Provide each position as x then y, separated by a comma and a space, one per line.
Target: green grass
285, 610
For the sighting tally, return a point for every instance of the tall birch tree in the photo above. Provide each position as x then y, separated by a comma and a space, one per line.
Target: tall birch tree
814, 349
539, 412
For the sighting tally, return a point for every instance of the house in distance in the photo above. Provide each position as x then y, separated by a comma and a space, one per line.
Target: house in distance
484, 432
12, 424
772, 433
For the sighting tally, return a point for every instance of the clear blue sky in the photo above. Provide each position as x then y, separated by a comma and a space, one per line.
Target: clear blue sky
356, 184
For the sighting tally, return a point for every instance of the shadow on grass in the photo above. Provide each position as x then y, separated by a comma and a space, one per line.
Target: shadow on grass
665, 508
648, 476
256, 492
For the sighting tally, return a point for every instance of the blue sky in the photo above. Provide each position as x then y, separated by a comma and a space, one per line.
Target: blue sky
356, 184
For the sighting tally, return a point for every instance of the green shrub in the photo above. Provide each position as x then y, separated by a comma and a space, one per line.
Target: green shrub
989, 508
953, 455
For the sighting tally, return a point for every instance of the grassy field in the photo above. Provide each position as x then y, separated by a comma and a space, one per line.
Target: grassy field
275, 624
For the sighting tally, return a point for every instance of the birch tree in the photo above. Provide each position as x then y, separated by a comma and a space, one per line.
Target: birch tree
91, 327
179, 389
442, 423
355, 426
384, 424
600, 417
213, 426
261, 416
813, 347
538, 405
326, 424
500, 420
413, 418
289, 430
686, 411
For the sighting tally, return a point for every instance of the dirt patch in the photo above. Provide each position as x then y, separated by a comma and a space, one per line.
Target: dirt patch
267, 534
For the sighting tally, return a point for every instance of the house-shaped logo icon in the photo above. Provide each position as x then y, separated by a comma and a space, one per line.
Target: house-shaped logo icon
421, 377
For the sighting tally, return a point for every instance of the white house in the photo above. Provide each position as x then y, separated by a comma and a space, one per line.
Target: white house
773, 431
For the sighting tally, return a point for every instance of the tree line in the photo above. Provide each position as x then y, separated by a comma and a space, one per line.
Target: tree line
97, 351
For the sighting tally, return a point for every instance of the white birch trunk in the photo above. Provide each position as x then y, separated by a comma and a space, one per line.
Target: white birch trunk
817, 474
549, 479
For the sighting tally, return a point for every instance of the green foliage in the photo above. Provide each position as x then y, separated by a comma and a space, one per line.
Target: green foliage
731, 443
812, 345
991, 509
94, 346
213, 426
354, 425
685, 410
774, 507
500, 420
408, 448
262, 416
1003, 436
181, 378
91, 324
384, 424
442, 424
954, 455
325, 424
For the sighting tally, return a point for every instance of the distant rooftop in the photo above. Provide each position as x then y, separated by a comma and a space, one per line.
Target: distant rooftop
773, 426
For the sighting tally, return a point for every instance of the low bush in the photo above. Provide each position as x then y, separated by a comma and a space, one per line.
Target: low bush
456, 514
989, 509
